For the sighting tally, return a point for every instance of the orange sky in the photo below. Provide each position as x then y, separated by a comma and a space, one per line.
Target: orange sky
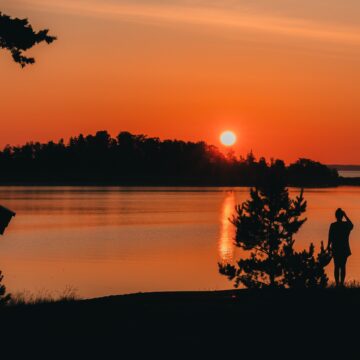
284, 75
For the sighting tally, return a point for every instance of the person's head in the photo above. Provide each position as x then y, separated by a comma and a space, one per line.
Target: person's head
339, 214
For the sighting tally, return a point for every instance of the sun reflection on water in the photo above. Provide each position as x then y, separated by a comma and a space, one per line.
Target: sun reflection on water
227, 231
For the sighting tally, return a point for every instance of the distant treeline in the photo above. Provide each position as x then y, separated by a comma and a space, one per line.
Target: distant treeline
140, 160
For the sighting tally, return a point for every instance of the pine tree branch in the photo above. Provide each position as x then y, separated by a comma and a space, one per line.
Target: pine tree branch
17, 36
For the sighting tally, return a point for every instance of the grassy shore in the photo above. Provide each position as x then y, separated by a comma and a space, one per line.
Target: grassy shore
310, 324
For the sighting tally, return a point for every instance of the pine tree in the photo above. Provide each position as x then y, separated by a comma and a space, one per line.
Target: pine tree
4, 297
265, 228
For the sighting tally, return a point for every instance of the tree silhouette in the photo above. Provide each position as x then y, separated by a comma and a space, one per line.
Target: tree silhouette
265, 226
306, 172
4, 297
129, 159
17, 36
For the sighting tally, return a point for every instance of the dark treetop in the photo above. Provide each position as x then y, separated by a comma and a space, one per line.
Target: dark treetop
139, 160
17, 36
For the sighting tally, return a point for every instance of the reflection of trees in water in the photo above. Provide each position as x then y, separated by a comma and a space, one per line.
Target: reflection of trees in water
227, 232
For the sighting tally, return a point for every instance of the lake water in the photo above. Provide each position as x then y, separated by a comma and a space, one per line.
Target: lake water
115, 240
350, 173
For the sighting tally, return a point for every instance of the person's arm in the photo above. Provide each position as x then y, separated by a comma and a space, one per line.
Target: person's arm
351, 225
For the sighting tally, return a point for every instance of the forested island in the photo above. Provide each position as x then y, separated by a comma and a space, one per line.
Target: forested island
130, 159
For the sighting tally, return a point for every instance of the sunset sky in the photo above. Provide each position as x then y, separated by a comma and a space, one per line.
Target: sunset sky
284, 75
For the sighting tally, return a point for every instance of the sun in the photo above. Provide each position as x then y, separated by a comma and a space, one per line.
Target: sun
228, 138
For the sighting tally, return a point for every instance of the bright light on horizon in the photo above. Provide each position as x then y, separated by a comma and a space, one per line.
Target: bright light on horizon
228, 138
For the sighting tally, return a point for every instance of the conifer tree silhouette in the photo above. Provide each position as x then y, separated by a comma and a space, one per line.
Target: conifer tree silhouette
4, 297
265, 229
17, 36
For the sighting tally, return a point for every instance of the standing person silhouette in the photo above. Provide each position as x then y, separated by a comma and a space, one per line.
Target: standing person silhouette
339, 244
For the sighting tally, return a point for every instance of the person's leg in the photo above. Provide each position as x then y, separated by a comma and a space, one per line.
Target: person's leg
343, 272
336, 271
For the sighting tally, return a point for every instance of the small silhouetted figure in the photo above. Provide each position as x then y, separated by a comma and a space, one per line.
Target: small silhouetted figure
339, 244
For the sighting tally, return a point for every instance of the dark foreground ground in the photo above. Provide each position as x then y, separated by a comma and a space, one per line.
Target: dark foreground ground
236, 324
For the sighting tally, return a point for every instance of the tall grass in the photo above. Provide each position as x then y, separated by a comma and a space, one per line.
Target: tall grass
26, 297
352, 284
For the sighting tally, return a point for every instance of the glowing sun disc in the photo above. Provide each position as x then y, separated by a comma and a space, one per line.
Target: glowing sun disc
228, 138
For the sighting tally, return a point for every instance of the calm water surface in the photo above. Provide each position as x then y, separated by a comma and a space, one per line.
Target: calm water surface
349, 173
114, 240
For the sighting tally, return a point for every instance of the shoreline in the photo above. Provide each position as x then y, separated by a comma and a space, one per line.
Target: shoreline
344, 182
194, 324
